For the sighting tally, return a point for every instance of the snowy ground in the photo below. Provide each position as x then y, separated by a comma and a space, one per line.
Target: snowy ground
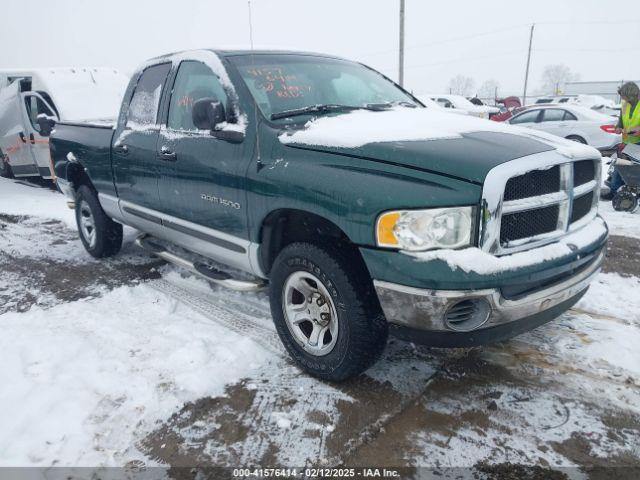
129, 361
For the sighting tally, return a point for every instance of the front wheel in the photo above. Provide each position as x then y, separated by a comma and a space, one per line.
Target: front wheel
326, 311
101, 236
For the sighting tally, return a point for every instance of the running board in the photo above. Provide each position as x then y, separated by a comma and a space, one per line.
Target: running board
200, 269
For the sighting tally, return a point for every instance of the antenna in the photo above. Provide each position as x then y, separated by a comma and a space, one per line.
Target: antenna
255, 104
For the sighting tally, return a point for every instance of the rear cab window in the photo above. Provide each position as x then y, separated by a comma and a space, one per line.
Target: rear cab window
145, 102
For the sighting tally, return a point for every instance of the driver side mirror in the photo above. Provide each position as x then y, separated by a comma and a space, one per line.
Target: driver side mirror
46, 124
207, 113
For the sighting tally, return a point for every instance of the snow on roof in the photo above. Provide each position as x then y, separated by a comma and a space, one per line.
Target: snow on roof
211, 60
79, 93
361, 127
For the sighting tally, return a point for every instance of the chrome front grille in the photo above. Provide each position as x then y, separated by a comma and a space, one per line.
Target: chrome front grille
533, 206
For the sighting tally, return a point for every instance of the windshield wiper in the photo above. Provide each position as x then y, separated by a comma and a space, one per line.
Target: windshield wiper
314, 109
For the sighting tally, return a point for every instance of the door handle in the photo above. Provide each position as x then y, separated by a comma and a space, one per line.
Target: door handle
22, 137
121, 149
32, 139
166, 154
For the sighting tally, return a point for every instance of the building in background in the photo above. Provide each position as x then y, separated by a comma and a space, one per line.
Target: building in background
606, 89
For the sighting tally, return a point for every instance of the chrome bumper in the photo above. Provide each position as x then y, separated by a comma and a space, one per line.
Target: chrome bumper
423, 309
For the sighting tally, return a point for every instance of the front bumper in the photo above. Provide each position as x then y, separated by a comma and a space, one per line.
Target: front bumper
423, 315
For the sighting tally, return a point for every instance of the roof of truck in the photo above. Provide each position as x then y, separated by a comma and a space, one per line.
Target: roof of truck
232, 52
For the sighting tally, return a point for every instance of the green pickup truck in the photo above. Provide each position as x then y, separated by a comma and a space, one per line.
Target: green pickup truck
363, 212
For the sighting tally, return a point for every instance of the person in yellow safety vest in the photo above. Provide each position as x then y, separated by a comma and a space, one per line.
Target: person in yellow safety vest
628, 126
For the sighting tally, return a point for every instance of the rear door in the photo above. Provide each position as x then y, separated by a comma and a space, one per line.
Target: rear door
553, 122
37, 145
135, 168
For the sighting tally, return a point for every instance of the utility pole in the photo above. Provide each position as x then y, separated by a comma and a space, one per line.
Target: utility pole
401, 56
526, 75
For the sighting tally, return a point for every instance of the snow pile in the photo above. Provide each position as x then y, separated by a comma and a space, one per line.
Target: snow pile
475, 260
613, 295
361, 127
21, 198
104, 371
620, 223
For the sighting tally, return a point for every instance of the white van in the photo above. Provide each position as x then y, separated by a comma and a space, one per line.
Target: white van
69, 94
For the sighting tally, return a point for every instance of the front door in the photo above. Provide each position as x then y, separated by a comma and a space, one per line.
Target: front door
134, 142
201, 177
14, 142
38, 146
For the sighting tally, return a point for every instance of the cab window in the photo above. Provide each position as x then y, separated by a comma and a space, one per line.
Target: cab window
35, 106
443, 102
553, 115
526, 117
143, 108
194, 82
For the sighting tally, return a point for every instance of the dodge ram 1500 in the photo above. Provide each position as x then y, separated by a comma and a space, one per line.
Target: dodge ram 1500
364, 213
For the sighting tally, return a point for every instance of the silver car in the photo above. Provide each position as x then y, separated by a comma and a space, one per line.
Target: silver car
572, 122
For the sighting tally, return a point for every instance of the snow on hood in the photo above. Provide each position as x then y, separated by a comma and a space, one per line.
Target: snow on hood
473, 259
361, 127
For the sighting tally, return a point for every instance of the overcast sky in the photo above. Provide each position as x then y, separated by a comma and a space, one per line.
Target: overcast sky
484, 39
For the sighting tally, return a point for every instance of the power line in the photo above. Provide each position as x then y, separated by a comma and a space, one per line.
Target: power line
450, 40
495, 32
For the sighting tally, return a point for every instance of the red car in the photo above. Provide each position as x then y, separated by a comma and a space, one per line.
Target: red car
511, 106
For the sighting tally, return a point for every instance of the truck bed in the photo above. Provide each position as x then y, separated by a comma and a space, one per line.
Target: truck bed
83, 143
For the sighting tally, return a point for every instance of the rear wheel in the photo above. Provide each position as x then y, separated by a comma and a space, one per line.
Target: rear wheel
576, 138
101, 236
326, 311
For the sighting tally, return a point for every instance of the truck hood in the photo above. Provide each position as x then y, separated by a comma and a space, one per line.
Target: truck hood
457, 146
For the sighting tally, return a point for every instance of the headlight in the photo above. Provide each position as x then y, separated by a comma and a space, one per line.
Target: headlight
416, 230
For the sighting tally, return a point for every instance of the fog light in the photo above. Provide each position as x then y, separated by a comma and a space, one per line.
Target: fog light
467, 315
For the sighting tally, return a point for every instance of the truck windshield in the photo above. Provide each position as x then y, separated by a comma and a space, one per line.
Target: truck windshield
303, 84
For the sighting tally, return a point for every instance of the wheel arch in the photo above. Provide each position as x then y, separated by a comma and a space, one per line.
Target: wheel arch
77, 176
285, 226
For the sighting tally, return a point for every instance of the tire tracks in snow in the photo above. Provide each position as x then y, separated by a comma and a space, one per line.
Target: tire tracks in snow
281, 415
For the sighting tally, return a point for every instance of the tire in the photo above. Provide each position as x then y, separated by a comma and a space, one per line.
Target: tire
101, 236
625, 201
357, 329
576, 138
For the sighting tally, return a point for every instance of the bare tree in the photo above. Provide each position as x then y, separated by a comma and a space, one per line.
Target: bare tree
489, 89
461, 85
554, 78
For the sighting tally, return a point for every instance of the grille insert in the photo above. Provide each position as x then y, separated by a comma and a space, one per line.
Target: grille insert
583, 172
533, 184
528, 223
581, 206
